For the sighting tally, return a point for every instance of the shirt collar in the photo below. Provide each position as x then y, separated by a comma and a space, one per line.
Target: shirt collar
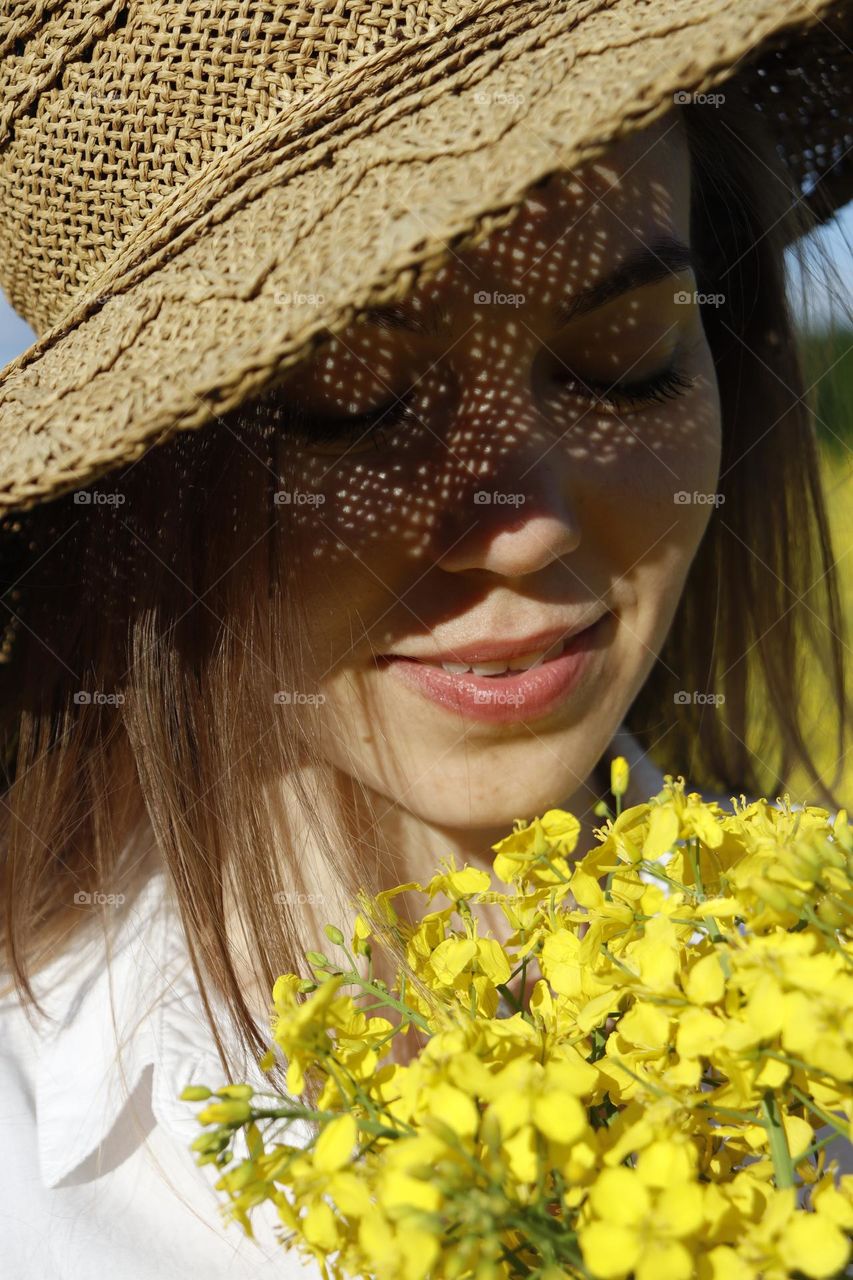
114, 1020
111, 1021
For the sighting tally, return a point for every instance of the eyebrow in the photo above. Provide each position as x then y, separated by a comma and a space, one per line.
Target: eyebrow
663, 257
666, 256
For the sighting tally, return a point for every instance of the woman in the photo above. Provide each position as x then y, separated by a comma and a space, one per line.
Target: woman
239, 686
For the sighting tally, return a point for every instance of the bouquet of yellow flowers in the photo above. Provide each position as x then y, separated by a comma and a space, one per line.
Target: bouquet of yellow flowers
659, 1104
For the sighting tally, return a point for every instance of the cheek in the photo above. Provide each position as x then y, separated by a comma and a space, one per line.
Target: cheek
346, 573
379, 508
645, 489
655, 470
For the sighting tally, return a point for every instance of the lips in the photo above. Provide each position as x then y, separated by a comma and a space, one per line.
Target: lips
520, 695
514, 654
500, 667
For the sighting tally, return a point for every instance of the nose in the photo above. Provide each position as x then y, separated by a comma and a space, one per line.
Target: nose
512, 549
513, 513
513, 524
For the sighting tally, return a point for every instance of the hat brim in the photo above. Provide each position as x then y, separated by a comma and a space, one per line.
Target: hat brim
339, 204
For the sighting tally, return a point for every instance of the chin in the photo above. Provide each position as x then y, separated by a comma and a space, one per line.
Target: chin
490, 802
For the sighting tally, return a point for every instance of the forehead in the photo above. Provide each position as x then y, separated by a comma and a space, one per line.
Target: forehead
574, 226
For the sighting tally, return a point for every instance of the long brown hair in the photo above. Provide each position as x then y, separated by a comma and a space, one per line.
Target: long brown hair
157, 626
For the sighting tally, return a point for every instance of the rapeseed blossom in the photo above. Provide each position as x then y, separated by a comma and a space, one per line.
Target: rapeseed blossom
661, 1102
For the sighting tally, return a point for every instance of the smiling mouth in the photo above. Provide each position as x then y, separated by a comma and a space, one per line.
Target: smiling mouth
524, 662
490, 659
525, 687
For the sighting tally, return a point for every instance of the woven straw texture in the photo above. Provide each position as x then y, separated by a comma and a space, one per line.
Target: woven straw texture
195, 192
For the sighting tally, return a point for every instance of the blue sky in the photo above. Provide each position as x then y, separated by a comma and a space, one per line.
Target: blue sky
837, 238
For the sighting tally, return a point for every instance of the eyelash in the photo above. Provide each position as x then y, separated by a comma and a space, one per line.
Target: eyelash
314, 430
667, 384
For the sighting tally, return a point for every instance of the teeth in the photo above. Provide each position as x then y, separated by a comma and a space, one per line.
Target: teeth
488, 668
523, 662
527, 660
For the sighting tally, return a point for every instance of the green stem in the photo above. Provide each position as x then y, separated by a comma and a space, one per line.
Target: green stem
523, 981
355, 979
292, 1113
692, 846
783, 1167
727, 1113
510, 1255
818, 1146
509, 997
825, 1116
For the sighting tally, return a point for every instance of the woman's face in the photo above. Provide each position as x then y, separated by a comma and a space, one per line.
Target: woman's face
497, 462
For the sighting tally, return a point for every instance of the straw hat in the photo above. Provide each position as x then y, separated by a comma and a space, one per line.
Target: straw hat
195, 192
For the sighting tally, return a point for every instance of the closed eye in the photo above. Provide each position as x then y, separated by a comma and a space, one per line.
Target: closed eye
664, 384
373, 426
314, 428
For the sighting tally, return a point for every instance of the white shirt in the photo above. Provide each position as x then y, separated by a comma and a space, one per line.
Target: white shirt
81, 1197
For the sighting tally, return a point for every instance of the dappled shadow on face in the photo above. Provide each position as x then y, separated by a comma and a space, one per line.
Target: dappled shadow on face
474, 401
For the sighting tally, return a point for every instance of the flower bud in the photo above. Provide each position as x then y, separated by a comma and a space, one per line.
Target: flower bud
235, 1091
210, 1143
619, 775
334, 934
195, 1093
236, 1111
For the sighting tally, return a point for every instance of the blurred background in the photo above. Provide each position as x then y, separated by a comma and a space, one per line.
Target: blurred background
822, 300
821, 291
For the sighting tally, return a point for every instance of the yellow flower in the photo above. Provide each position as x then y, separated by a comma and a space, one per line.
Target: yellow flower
663, 831
333, 1148
459, 883
301, 1030
650, 1110
705, 981
633, 1228
520, 855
